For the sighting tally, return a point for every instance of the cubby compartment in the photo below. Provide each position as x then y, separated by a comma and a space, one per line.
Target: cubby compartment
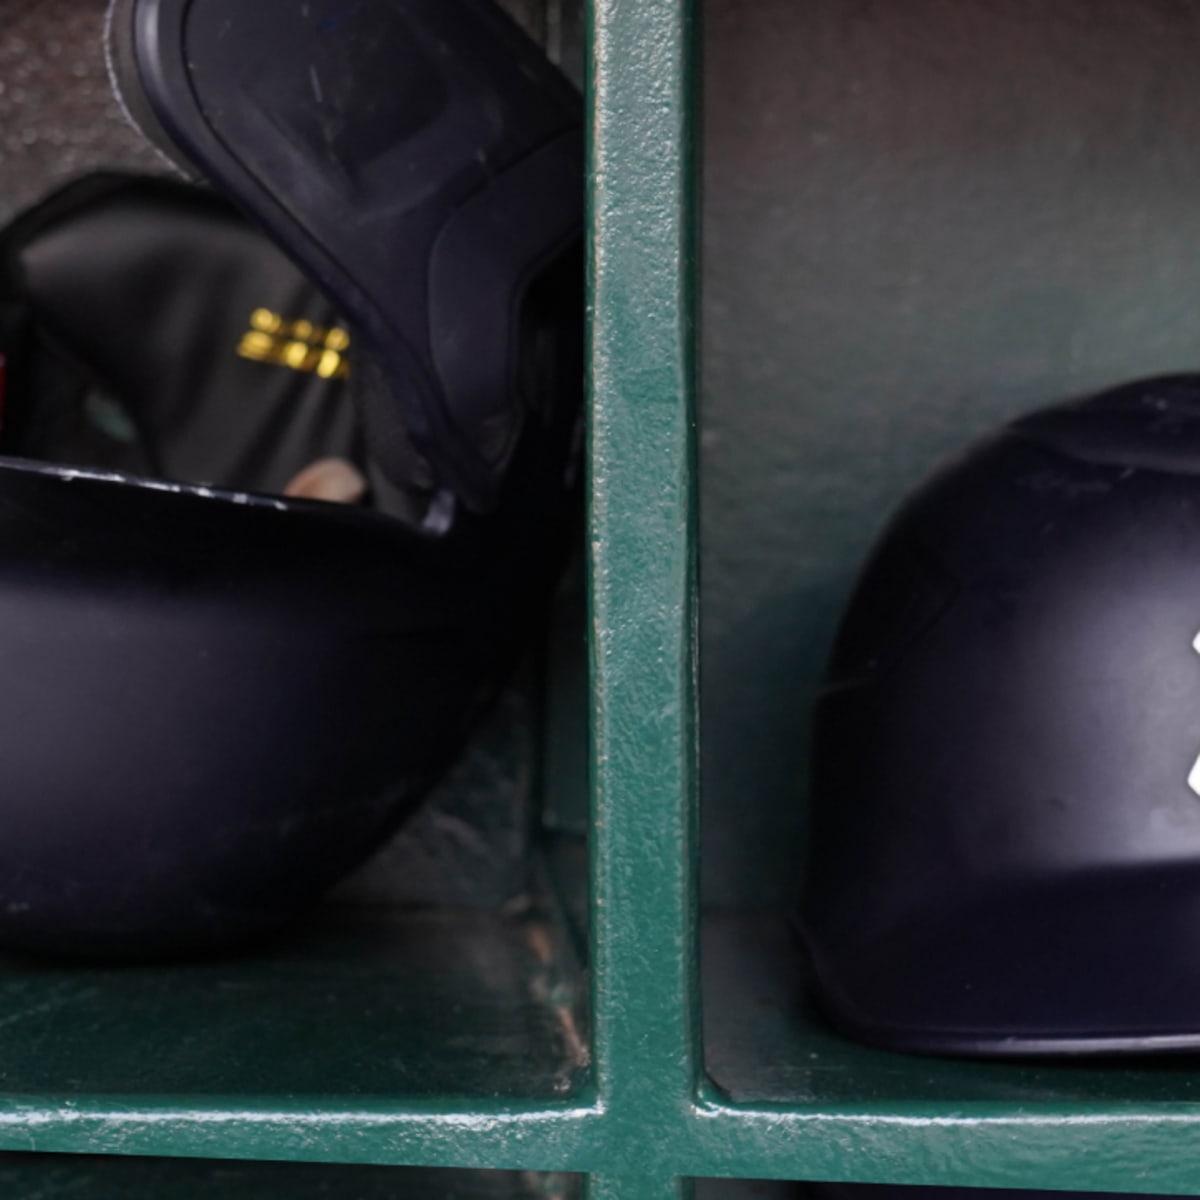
441, 987
919, 219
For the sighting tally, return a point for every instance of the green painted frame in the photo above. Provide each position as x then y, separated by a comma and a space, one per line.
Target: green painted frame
651, 1120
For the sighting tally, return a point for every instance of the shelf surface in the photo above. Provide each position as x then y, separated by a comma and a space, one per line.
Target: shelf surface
793, 1099
370, 1034
358, 1002
766, 1044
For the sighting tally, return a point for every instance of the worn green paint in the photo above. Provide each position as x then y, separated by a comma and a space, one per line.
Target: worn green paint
643, 561
482, 1133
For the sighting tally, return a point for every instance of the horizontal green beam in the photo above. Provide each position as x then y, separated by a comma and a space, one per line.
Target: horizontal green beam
1104, 1148
470, 1135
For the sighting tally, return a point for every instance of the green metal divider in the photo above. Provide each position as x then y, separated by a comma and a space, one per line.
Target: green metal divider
643, 564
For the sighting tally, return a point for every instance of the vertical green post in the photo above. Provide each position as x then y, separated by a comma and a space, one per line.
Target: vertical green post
643, 563
638, 1187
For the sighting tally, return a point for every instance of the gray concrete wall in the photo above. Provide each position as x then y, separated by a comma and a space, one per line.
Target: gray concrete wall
921, 216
